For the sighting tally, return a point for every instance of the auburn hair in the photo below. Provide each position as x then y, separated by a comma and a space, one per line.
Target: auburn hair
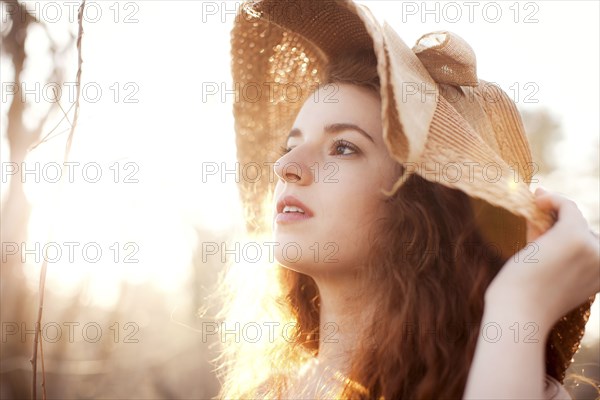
431, 266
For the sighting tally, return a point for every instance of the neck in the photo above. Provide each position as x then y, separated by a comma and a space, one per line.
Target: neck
343, 317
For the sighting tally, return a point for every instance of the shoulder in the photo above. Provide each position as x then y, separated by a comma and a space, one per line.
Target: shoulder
553, 390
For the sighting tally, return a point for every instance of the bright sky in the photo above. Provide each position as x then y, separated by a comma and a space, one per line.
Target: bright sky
176, 48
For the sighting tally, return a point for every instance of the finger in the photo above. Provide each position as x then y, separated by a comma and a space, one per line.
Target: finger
564, 209
532, 233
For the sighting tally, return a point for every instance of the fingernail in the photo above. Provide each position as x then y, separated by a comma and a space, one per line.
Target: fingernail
540, 190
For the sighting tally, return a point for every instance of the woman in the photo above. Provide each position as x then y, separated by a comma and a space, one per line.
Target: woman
414, 272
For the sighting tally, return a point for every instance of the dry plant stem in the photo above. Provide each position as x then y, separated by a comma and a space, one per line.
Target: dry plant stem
47, 136
45, 262
43, 370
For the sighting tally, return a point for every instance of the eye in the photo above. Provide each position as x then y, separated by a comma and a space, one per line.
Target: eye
342, 147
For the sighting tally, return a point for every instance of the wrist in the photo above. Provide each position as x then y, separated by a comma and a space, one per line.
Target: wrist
519, 315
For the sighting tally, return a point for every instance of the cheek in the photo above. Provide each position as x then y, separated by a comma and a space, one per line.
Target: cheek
352, 220
368, 205
368, 194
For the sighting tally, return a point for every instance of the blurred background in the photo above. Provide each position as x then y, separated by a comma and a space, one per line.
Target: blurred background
132, 233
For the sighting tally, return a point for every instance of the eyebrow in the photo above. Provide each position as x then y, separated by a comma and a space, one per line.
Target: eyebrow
335, 128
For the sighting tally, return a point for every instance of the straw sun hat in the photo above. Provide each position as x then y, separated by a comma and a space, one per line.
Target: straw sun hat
439, 119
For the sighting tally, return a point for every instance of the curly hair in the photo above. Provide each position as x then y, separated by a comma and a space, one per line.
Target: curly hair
431, 266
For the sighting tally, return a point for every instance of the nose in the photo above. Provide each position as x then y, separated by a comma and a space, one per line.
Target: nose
295, 166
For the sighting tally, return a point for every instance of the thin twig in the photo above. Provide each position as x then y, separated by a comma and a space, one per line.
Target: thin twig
45, 262
47, 136
43, 369
37, 325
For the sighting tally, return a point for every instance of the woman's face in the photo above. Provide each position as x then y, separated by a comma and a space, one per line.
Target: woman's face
329, 190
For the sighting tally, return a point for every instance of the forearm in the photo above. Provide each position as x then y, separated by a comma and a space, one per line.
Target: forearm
509, 356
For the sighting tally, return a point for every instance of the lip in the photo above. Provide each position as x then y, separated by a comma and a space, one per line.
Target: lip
292, 217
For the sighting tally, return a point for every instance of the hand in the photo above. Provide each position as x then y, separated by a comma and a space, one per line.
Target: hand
566, 271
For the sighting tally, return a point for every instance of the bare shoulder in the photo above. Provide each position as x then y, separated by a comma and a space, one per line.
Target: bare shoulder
553, 390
